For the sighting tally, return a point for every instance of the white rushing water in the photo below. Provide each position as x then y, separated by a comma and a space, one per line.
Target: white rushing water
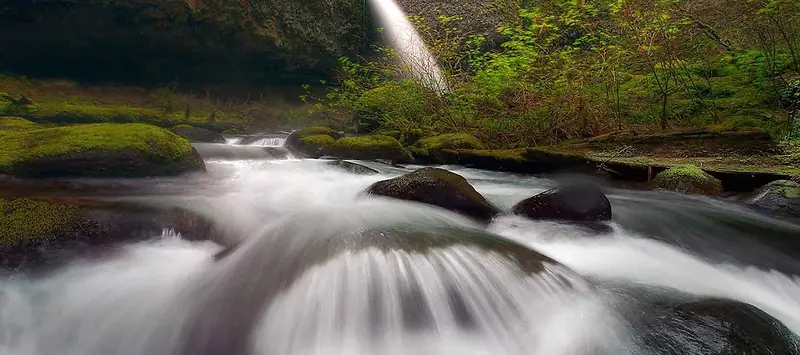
269, 142
412, 51
452, 299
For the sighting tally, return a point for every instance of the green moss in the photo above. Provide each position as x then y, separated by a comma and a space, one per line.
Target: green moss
25, 221
233, 132
151, 144
317, 142
788, 189
371, 147
450, 141
80, 113
16, 124
181, 126
313, 131
688, 179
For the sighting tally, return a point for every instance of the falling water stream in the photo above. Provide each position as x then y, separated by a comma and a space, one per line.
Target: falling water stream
412, 52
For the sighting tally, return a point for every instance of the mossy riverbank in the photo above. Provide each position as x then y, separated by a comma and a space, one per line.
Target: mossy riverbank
93, 150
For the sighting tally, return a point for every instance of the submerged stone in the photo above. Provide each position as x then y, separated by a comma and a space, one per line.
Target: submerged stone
782, 196
352, 167
712, 326
437, 187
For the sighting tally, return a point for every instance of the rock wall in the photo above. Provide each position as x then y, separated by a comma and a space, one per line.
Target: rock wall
478, 16
157, 41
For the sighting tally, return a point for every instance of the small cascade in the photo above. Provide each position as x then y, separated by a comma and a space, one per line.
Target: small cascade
412, 52
214, 151
269, 142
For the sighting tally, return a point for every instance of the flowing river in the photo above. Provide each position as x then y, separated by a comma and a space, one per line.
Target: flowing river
322, 269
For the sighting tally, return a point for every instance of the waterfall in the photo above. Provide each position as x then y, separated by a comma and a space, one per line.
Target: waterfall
411, 49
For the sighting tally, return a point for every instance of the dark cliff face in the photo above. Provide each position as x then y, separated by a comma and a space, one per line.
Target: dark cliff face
478, 16
192, 41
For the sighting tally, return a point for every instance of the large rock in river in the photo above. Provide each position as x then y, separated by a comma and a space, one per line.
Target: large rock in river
97, 150
576, 203
437, 187
688, 179
782, 196
711, 326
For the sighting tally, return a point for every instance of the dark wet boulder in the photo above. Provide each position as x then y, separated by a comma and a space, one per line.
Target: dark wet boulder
197, 134
577, 203
782, 196
688, 179
371, 147
712, 326
311, 142
97, 150
437, 187
352, 167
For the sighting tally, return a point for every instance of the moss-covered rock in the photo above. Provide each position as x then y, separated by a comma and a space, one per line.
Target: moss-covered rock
782, 196
311, 142
450, 141
10, 124
371, 147
233, 132
97, 150
318, 143
24, 221
36, 231
688, 179
197, 134
437, 187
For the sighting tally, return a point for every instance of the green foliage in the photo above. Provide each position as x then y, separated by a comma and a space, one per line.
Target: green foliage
572, 69
398, 105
